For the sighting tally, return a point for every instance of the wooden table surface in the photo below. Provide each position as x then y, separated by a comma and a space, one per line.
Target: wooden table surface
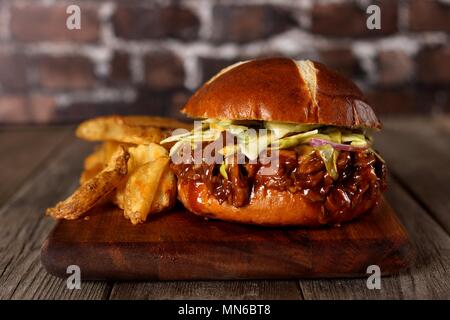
40, 166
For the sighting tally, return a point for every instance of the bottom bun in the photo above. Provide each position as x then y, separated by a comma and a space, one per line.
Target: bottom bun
267, 207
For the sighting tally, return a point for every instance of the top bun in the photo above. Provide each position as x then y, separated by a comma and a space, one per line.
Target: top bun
285, 90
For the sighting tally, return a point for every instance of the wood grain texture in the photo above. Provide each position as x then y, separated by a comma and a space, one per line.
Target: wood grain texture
30, 281
21, 275
418, 154
22, 151
427, 278
227, 290
178, 245
24, 228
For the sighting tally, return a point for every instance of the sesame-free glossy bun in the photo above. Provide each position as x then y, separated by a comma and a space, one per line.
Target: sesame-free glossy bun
267, 207
281, 89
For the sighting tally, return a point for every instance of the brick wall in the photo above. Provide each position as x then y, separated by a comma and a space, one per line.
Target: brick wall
142, 56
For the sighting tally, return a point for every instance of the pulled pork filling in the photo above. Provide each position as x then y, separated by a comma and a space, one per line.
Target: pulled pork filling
334, 167
361, 177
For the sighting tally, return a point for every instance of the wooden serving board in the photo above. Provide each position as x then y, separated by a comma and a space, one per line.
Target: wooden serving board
181, 246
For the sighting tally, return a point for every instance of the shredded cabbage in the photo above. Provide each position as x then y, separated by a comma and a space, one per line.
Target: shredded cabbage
279, 135
281, 129
329, 156
294, 140
223, 170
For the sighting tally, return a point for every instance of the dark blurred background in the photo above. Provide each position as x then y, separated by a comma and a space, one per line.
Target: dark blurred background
148, 56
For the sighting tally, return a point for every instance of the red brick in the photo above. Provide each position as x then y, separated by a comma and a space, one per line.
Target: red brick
155, 23
395, 67
401, 101
391, 101
33, 23
12, 71
347, 19
434, 65
211, 66
88, 109
33, 108
165, 103
178, 100
249, 22
13, 109
447, 102
43, 108
120, 67
155, 102
68, 72
429, 15
339, 59
342, 60
151, 102
163, 70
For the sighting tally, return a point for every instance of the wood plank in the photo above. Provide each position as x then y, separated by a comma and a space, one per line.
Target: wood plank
21, 273
24, 150
35, 283
418, 153
22, 276
227, 290
428, 278
178, 245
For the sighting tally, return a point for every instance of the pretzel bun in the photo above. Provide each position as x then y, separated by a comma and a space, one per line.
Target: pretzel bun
281, 89
267, 207
284, 90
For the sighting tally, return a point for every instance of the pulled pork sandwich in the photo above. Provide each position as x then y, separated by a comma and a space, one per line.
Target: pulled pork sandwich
311, 123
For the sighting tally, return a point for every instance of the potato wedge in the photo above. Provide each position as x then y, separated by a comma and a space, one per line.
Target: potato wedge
94, 190
166, 194
139, 155
126, 129
141, 189
142, 154
158, 122
96, 162
119, 196
95, 159
88, 174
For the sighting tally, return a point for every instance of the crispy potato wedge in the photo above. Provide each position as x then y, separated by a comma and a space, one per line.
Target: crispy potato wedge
139, 155
142, 154
88, 174
94, 190
158, 122
102, 154
127, 129
141, 189
119, 196
114, 128
95, 159
166, 193
96, 162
